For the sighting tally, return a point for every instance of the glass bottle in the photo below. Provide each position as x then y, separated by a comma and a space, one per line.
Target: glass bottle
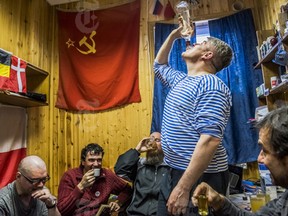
150, 143
183, 12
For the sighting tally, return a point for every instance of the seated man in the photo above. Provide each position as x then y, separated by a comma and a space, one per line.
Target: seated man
27, 194
145, 173
273, 137
82, 193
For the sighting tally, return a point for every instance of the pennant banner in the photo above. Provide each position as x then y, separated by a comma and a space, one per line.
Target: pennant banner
12, 73
157, 7
98, 57
169, 12
13, 141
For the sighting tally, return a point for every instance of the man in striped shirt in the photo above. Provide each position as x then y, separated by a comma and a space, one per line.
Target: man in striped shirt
195, 114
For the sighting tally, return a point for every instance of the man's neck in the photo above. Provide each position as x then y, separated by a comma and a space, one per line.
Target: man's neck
199, 68
198, 73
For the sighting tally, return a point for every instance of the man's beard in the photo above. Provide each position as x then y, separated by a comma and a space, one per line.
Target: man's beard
154, 157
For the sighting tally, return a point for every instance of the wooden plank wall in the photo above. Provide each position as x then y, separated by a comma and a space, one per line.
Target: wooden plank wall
29, 30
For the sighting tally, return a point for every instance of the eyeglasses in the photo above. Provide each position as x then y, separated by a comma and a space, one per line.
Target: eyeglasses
36, 181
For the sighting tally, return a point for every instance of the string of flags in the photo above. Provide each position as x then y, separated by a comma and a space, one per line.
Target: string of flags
157, 9
12, 72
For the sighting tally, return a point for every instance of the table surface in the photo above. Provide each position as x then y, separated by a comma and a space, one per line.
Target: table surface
241, 200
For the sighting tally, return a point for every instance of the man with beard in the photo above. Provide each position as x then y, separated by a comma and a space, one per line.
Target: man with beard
146, 174
273, 138
27, 194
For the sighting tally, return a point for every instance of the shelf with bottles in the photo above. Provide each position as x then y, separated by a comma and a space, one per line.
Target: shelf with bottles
37, 82
271, 53
280, 88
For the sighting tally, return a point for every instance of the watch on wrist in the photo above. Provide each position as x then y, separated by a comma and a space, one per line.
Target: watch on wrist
53, 204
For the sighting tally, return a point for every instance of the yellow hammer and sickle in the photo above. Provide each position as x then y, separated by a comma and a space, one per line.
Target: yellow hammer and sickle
83, 41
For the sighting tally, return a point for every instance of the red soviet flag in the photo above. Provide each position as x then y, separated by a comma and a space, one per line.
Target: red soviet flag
98, 57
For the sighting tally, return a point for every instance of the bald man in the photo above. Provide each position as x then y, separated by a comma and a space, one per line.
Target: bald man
27, 194
145, 172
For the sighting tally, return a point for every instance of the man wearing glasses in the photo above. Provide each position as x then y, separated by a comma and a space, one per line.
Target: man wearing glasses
27, 195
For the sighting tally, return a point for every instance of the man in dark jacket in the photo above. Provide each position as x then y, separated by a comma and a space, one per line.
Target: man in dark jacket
145, 173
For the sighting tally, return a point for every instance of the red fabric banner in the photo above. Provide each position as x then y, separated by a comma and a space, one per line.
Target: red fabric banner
12, 77
10, 159
13, 141
169, 11
98, 54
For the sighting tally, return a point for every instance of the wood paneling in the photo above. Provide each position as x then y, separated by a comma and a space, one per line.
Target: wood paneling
29, 30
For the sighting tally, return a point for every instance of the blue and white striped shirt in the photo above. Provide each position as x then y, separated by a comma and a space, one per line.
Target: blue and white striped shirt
195, 105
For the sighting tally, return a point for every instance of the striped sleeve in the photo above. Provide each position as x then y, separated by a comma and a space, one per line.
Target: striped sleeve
167, 75
213, 107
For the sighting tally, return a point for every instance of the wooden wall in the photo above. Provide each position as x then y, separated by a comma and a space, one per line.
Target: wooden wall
29, 30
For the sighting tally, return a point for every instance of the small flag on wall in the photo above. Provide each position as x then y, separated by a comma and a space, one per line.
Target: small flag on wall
12, 73
5, 62
157, 7
169, 11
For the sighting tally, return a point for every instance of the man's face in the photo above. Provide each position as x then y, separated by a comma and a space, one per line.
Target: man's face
155, 156
157, 139
278, 168
32, 181
197, 50
92, 160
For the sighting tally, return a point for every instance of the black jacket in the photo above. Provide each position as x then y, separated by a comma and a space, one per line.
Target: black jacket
146, 182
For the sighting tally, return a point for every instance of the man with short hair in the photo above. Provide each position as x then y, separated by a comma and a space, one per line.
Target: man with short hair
195, 115
27, 195
82, 193
145, 172
273, 138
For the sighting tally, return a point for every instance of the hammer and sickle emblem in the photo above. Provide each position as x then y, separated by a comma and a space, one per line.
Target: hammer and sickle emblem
91, 48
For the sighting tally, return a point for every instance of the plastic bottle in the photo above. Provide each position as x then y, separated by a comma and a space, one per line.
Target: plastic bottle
183, 12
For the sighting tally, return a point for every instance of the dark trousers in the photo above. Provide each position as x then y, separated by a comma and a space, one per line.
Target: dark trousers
218, 181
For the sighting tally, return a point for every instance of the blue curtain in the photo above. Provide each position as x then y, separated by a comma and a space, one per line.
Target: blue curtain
238, 31
175, 60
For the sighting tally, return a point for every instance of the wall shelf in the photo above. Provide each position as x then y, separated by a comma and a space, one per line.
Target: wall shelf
278, 95
281, 88
271, 54
15, 99
37, 81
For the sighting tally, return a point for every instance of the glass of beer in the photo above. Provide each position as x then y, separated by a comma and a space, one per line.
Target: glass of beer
257, 201
150, 143
203, 205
